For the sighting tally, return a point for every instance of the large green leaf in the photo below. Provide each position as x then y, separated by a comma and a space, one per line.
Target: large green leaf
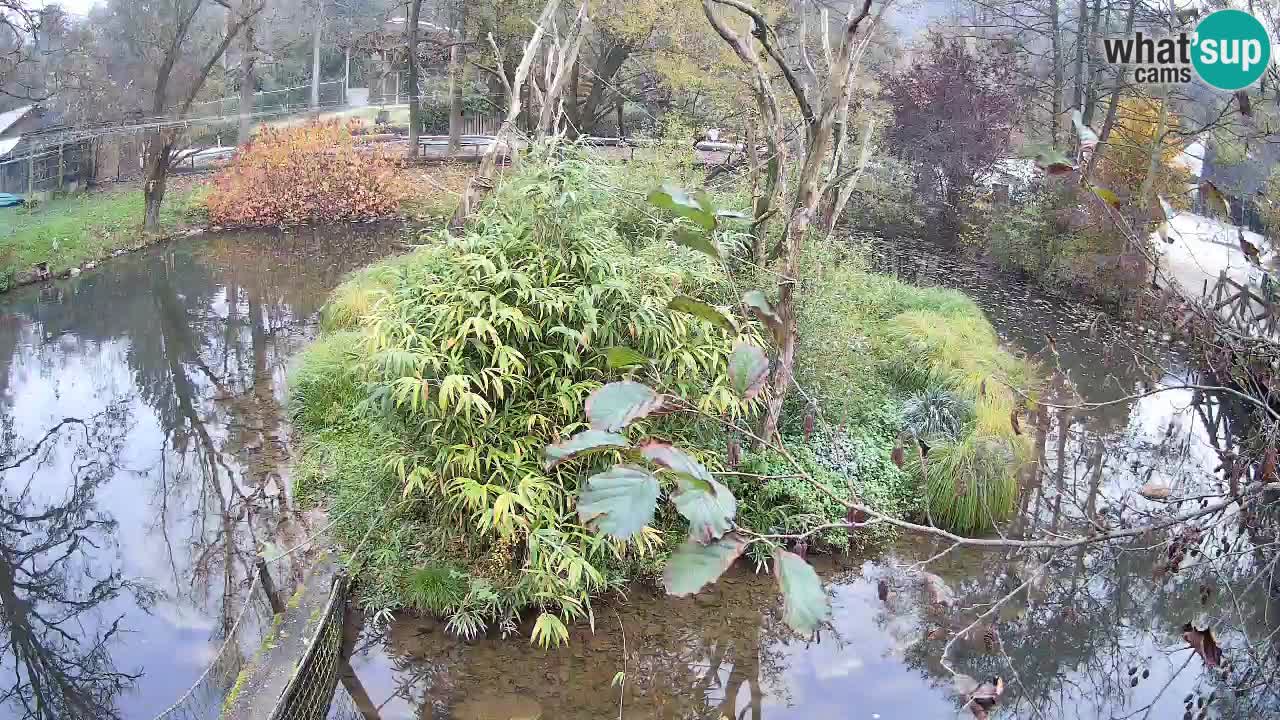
748, 369
697, 308
707, 505
585, 441
760, 307
698, 240
619, 356
618, 404
693, 565
620, 501
677, 461
804, 603
696, 207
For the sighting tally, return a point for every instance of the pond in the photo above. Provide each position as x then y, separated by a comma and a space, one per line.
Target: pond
145, 450
1093, 632
143, 460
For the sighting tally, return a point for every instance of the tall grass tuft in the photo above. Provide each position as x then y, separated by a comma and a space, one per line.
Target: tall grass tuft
969, 485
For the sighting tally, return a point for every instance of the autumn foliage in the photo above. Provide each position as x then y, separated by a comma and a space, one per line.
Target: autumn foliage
308, 173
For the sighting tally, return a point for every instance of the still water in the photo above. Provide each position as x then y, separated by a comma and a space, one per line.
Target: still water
143, 461
1096, 633
144, 450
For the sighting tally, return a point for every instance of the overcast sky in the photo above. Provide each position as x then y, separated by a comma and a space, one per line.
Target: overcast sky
78, 7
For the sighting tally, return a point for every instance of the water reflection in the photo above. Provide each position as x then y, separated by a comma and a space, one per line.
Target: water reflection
143, 461
1093, 632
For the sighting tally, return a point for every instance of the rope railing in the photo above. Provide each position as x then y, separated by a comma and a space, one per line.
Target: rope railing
205, 696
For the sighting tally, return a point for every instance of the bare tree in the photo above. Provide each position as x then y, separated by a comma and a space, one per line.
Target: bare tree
482, 183
819, 131
184, 51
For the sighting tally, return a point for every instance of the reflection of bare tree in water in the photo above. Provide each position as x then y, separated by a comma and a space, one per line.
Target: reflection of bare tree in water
54, 640
1087, 631
681, 660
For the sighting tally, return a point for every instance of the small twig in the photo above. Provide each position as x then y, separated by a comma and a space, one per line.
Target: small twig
622, 688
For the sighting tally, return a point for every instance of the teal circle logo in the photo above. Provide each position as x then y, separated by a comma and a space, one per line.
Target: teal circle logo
1232, 49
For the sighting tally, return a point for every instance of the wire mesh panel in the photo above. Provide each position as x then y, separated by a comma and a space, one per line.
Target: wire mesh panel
310, 690
205, 698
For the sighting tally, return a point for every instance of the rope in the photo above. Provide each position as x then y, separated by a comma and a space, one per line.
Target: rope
249, 599
218, 657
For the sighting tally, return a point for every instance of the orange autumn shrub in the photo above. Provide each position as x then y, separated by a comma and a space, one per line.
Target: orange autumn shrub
307, 173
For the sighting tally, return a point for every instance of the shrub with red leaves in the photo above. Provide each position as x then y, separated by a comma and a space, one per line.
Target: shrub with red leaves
308, 173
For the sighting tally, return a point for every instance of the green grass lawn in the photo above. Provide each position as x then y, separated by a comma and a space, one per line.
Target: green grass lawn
69, 231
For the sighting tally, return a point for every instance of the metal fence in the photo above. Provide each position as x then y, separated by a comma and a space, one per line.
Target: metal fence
283, 100
310, 690
38, 168
205, 698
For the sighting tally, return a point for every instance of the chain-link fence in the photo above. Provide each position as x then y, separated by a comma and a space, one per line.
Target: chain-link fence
310, 690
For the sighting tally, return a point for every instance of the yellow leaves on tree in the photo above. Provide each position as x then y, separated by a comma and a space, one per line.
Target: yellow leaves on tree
1127, 159
308, 173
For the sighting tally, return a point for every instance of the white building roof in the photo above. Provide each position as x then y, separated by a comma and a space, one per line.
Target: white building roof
9, 118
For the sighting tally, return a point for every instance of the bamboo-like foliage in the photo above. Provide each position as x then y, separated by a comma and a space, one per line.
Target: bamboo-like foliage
480, 351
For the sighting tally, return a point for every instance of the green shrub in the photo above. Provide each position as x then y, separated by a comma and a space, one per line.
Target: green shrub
1058, 239
937, 414
885, 200
884, 357
472, 355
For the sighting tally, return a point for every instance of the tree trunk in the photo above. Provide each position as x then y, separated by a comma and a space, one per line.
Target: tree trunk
1082, 39
455, 98
548, 118
482, 183
315, 58
415, 102
602, 77
1113, 106
248, 80
1055, 38
572, 109
155, 176
1091, 66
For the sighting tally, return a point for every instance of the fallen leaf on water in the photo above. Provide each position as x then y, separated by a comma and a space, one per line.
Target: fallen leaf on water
1203, 643
985, 698
1153, 490
1269, 465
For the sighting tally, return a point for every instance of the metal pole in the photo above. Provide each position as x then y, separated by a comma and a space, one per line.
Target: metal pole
61, 167
269, 587
31, 172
